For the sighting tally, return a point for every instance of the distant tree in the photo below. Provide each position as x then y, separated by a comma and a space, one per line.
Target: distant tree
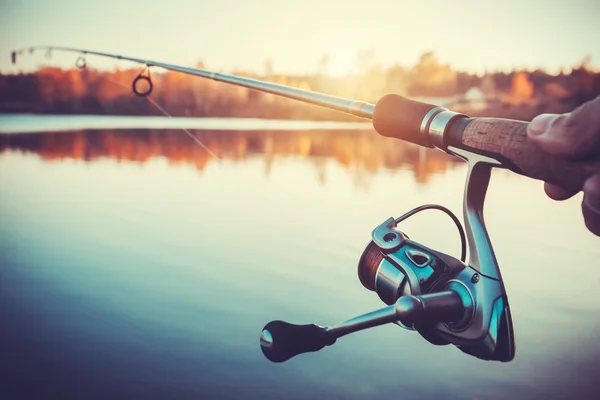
430, 78
397, 79
586, 62
521, 88
268, 68
365, 60
323, 68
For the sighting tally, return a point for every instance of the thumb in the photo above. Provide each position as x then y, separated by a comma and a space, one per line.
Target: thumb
591, 204
573, 135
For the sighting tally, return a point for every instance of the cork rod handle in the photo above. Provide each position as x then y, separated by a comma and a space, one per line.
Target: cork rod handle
508, 139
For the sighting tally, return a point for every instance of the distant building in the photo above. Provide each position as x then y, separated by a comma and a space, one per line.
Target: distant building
488, 88
474, 94
474, 99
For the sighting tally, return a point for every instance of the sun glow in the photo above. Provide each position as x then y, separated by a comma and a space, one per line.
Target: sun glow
340, 63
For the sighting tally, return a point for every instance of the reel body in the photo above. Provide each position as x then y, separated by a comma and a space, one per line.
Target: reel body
443, 298
402, 267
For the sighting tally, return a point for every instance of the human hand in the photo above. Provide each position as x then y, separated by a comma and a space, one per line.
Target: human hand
573, 135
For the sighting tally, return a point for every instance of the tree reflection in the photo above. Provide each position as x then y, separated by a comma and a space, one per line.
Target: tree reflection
362, 153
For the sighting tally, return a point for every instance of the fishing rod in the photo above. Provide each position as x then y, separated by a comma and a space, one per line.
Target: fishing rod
447, 300
360, 109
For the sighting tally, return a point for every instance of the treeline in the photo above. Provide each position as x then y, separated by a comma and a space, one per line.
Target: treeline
88, 91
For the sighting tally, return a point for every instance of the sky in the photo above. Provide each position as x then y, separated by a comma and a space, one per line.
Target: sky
474, 36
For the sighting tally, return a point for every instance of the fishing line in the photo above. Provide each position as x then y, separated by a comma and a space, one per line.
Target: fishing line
194, 138
159, 107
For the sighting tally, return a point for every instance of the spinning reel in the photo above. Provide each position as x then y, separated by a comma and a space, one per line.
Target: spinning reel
439, 296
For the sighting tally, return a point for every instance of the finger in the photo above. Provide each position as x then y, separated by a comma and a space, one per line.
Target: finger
558, 192
591, 204
574, 135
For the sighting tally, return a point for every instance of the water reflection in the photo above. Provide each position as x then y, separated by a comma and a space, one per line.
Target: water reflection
361, 152
125, 273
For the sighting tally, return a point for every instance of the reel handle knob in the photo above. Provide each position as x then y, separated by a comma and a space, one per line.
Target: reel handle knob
280, 341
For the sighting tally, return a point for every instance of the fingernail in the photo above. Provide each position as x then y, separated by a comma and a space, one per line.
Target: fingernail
540, 124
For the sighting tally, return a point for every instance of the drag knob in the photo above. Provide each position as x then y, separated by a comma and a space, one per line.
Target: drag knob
280, 341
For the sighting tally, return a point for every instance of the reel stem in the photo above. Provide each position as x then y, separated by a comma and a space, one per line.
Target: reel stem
443, 306
281, 341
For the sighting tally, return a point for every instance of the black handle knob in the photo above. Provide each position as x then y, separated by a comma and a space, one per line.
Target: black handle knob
280, 341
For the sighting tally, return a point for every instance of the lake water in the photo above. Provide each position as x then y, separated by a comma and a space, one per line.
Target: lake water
135, 265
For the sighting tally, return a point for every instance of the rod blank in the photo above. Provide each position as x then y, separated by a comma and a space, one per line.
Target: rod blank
349, 106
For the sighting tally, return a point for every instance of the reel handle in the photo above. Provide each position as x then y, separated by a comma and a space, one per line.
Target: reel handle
280, 341
502, 139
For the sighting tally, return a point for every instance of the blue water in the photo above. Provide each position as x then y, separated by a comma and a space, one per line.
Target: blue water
134, 265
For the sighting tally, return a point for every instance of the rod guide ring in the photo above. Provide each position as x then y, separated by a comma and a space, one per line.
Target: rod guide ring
80, 62
137, 80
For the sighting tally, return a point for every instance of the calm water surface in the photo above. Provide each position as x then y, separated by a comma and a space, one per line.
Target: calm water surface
133, 265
